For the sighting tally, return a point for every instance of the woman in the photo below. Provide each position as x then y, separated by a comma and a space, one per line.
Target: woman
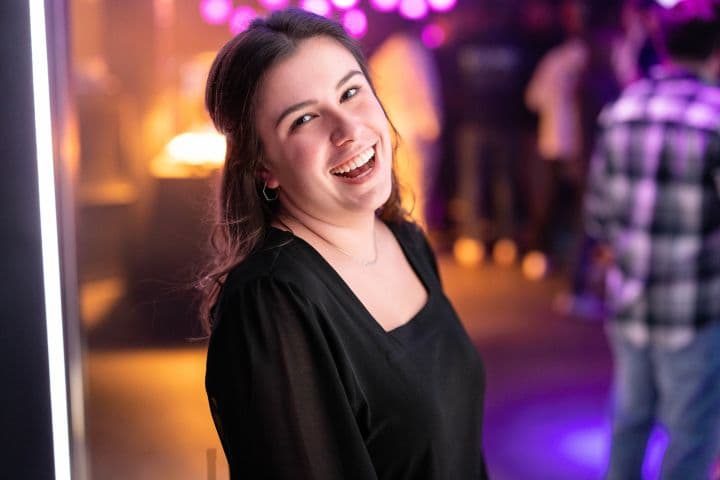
334, 353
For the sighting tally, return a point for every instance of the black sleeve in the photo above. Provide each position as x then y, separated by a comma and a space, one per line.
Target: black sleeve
430, 253
415, 235
279, 405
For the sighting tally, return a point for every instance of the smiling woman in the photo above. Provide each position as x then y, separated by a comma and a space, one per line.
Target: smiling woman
334, 353
325, 136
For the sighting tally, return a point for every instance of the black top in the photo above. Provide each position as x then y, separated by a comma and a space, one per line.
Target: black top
303, 383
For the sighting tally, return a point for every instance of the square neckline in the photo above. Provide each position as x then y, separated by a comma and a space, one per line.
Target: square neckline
344, 285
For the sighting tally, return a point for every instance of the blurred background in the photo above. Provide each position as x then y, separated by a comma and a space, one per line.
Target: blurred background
474, 88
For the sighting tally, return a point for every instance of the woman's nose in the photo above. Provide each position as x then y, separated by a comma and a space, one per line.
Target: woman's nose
345, 129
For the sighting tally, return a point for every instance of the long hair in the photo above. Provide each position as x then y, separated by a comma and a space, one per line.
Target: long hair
231, 95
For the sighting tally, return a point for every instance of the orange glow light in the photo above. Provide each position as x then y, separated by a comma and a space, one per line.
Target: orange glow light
190, 154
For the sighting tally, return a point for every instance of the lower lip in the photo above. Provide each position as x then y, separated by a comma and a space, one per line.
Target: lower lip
364, 177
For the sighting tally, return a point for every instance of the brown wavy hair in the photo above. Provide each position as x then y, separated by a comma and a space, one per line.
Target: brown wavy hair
234, 80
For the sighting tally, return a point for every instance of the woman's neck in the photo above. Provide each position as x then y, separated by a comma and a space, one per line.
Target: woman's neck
354, 237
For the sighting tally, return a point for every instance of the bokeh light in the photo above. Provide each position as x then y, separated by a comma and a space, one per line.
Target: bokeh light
318, 7
433, 35
534, 265
384, 5
197, 148
355, 22
216, 12
413, 9
274, 4
468, 252
441, 5
241, 19
505, 252
344, 4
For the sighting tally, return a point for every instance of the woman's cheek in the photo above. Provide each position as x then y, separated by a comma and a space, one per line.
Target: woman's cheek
305, 154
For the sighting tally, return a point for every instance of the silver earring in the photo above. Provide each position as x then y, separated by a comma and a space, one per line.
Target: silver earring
265, 194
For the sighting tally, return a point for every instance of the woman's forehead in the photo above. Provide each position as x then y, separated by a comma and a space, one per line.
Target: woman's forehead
319, 55
317, 64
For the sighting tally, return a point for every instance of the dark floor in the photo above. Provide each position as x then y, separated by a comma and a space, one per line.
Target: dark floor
546, 402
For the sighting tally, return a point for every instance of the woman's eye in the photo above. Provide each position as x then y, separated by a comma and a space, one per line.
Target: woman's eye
349, 93
300, 121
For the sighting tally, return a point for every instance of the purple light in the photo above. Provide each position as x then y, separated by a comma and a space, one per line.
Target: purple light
441, 5
355, 22
413, 9
433, 35
318, 7
274, 4
657, 443
384, 5
585, 446
668, 3
215, 12
241, 19
344, 4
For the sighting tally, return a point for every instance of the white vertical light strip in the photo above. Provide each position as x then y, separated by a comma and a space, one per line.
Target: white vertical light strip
50, 247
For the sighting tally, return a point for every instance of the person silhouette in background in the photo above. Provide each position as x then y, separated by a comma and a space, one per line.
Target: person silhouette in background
653, 206
407, 82
638, 47
567, 90
553, 93
483, 66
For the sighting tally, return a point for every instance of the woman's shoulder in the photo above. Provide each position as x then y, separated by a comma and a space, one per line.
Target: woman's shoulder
281, 259
279, 275
407, 231
414, 242
410, 235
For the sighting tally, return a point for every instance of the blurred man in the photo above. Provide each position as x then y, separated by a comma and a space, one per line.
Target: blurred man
653, 200
568, 89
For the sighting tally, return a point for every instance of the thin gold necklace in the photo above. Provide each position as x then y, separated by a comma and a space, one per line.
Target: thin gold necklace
364, 263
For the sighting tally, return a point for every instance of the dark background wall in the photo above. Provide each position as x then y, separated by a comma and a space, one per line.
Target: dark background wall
25, 422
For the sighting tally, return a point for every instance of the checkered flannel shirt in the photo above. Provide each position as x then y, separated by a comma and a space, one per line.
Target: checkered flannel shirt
654, 197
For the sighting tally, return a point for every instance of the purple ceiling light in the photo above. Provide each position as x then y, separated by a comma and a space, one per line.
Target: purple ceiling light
413, 9
274, 4
355, 22
384, 5
319, 7
344, 4
441, 5
241, 18
433, 35
215, 12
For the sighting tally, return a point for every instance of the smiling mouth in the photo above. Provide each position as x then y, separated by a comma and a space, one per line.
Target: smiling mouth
357, 166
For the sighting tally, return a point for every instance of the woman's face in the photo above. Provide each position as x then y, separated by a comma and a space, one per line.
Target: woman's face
325, 137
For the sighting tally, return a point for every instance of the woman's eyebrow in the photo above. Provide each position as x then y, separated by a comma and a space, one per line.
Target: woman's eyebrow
301, 105
347, 77
293, 108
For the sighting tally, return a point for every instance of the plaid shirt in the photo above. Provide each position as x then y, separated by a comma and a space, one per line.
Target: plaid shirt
653, 197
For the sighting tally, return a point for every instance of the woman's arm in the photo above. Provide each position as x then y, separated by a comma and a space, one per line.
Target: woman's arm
279, 404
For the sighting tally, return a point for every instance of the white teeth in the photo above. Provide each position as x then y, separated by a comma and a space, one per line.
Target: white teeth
354, 163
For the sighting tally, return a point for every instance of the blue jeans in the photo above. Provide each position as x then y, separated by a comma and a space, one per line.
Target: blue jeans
678, 388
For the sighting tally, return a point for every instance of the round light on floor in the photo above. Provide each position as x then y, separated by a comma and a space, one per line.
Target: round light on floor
468, 252
534, 265
504, 252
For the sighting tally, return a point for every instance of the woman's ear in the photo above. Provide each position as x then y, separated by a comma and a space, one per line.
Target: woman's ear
268, 178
